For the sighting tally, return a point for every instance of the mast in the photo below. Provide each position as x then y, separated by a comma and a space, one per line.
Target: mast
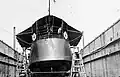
48, 27
49, 8
14, 38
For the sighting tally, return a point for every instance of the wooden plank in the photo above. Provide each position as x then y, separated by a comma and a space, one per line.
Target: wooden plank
92, 46
93, 69
97, 43
111, 66
11, 53
12, 62
103, 67
88, 69
6, 71
117, 64
102, 39
117, 31
10, 71
2, 47
101, 74
86, 50
86, 59
109, 36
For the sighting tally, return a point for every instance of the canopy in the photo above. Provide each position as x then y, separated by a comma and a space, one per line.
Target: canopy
48, 24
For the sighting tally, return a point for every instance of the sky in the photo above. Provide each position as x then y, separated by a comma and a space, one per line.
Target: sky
90, 16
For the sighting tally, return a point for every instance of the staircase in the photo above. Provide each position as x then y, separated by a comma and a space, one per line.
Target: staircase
77, 69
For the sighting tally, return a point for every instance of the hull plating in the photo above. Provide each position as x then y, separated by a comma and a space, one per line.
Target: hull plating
51, 52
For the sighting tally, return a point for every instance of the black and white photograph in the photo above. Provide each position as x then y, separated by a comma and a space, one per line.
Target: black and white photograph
59, 38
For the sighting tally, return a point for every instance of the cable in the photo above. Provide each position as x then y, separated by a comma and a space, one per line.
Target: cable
23, 41
73, 31
6, 30
75, 38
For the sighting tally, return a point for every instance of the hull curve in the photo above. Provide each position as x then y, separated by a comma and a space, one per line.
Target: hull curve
51, 53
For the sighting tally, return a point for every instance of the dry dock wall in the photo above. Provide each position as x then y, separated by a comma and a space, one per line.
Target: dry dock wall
102, 56
8, 61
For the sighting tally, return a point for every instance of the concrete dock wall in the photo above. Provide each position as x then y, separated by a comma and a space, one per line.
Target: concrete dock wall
8, 61
102, 55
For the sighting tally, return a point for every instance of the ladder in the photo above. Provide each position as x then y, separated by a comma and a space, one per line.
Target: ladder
77, 69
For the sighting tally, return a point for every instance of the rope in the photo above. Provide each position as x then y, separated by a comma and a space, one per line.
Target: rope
6, 30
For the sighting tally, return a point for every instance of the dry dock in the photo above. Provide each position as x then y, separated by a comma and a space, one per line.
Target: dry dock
9, 61
102, 55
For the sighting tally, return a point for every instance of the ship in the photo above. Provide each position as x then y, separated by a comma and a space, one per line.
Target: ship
49, 40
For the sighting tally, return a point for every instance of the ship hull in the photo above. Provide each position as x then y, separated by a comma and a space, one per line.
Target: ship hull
52, 54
